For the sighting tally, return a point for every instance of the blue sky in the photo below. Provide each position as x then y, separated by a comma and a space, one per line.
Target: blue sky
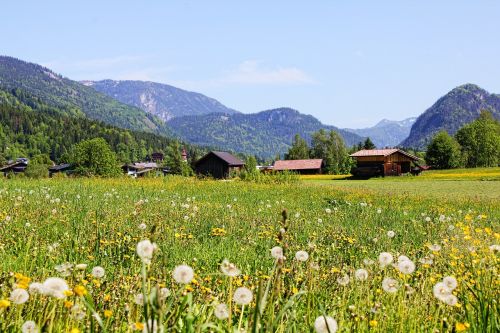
349, 63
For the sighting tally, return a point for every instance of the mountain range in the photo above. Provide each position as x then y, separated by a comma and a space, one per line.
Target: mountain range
386, 133
460, 106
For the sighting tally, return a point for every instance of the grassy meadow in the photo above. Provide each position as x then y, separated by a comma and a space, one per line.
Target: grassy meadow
408, 254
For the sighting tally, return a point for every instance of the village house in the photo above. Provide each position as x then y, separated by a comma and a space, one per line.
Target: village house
139, 169
383, 162
304, 167
218, 164
17, 166
60, 168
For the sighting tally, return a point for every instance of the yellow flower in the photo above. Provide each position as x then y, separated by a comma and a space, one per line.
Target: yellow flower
68, 293
80, 290
373, 323
4, 303
108, 313
139, 326
68, 304
460, 327
74, 330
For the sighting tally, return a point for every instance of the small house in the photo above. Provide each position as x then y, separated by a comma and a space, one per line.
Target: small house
304, 167
218, 164
17, 166
383, 162
64, 168
157, 157
139, 169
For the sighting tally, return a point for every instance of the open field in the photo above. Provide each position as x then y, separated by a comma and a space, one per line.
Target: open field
444, 228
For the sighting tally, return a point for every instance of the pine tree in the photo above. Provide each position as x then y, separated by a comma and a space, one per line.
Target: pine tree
368, 144
299, 149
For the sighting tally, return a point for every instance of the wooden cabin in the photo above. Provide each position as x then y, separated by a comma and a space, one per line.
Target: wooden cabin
218, 164
304, 167
64, 168
14, 167
139, 169
382, 162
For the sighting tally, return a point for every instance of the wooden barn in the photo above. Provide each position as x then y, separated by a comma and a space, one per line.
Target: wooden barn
382, 162
304, 167
14, 167
218, 164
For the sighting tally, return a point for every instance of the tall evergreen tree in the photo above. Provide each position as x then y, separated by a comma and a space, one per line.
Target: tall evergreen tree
368, 144
299, 149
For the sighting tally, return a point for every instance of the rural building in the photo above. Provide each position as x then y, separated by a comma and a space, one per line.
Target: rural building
305, 167
382, 162
218, 164
65, 168
157, 157
139, 169
17, 166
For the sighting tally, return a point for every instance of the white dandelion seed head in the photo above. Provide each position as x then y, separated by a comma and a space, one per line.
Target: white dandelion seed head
344, 280
361, 274
29, 327
301, 256
277, 252
325, 324
328, 211
402, 258
145, 250
152, 327
98, 272
450, 282
55, 287
35, 288
139, 299
221, 311
77, 312
391, 234
435, 247
164, 293
142, 226
494, 248
19, 296
81, 267
368, 262
390, 285
229, 269
183, 274
385, 258
242, 296
406, 266
441, 290
450, 300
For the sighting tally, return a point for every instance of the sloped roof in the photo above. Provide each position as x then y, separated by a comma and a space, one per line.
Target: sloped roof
226, 157
381, 152
298, 164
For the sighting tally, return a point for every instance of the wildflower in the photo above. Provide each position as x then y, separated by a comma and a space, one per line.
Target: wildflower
379, 211
390, 285
450, 299
368, 262
373, 323
406, 266
80, 290
441, 290
19, 296
325, 324
435, 247
29, 327
55, 287
183, 274
64, 269
494, 248
139, 299
402, 258
277, 252
145, 250
4, 304
221, 311
77, 312
301, 256
138, 326
361, 274
229, 269
344, 280
164, 293
460, 327
242, 296
36, 288
152, 327
391, 234
450, 282
328, 211
385, 258
81, 267
108, 313
142, 226
98, 272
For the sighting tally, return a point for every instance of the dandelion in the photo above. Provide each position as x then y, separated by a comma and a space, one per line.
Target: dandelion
277, 252
77, 312
142, 226
435, 247
164, 293
385, 258
81, 267
406, 266
221, 311
450, 300
242, 296
4, 303
301, 256
19, 296
35, 288
361, 274
80, 290
494, 248
325, 324
391, 234
368, 262
55, 287
139, 299
328, 211
29, 327
183, 274
441, 291
145, 250
229, 269
450, 282
152, 327
98, 272
390, 285
343, 280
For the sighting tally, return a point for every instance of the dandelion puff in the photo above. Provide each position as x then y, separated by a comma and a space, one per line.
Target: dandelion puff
35, 288
139, 299
325, 324
450, 300
81, 267
277, 252
361, 274
221, 311
441, 290
77, 312
385, 258
229, 269
406, 266
343, 280
164, 293
242, 296
301, 256
152, 327
145, 250
29, 327
368, 262
183, 274
390, 285
450, 282
435, 247
494, 248
402, 258
142, 226
55, 287
98, 272
19, 296
391, 234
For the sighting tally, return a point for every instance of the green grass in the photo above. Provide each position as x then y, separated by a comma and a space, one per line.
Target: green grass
46, 223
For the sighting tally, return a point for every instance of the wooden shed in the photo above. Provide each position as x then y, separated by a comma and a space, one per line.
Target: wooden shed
382, 162
305, 167
218, 164
14, 167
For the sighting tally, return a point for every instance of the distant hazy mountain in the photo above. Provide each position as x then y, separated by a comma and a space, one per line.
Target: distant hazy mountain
161, 100
460, 106
264, 134
72, 97
386, 133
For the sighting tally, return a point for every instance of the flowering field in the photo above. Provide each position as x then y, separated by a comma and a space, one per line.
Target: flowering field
180, 255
